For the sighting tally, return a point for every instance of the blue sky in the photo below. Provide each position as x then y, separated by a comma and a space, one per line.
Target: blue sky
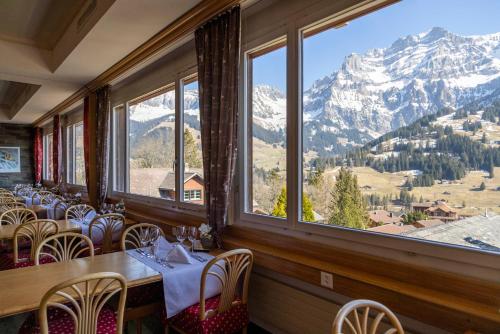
325, 52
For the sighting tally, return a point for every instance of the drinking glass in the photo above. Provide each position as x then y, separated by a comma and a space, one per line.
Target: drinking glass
154, 241
181, 234
193, 233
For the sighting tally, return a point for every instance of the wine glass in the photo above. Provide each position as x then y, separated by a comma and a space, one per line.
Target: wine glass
154, 239
192, 234
181, 234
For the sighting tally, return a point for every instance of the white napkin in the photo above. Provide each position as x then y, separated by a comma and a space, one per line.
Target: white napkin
178, 254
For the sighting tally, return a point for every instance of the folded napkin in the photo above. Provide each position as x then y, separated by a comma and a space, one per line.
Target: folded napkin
178, 254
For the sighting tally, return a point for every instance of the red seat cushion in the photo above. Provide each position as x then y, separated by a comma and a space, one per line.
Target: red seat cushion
231, 321
61, 322
7, 260
144, 295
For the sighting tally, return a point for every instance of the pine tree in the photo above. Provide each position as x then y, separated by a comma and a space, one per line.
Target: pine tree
191, 150
307, 209
482, 186
279, 209
347, 208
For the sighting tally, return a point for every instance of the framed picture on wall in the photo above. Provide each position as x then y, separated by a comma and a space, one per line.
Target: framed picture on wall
10, 160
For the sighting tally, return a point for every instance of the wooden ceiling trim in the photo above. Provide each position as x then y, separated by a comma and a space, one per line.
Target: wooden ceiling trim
184, 25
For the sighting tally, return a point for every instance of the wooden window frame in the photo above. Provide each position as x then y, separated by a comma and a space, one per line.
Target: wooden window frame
176, 205
312, 20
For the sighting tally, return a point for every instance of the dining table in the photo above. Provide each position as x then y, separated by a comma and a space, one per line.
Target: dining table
7, 231
27, 286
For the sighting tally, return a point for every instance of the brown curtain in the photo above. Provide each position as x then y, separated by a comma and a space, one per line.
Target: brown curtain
103, 113
218, 52
38, 154
86, 138
56, 149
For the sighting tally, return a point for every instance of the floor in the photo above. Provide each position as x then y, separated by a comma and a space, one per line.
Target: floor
151, 325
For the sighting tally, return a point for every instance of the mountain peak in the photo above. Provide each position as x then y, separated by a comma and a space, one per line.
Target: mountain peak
435, 33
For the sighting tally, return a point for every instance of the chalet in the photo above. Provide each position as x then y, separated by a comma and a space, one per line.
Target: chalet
383, 217
438, 210
193, 187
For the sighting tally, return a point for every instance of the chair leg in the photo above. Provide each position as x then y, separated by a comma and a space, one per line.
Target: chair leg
167, 329
244, 331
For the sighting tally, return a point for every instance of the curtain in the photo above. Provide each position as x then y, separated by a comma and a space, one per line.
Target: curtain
86, 138
218, 53
56, 149
103, 113
38, 154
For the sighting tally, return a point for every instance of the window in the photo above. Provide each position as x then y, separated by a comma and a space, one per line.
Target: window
266, 139
397, 125
151, 150
47, 157
192, 195
75, 154
193, 160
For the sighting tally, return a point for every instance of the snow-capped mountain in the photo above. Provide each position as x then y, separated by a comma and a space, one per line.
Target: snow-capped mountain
384, 89
371, 93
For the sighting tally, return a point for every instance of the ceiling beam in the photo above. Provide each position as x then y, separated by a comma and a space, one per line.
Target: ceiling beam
181, 27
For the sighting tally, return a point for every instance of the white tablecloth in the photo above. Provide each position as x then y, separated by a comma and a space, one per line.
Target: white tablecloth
29, 201
181, 285
96, 232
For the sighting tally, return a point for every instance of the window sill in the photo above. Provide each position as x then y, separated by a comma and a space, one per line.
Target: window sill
366, 276
142, 208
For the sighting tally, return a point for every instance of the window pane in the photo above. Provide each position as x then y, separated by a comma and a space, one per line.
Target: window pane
401, 123
267, 141
69, 154
119, 147
193, 161
79, 165
152, 146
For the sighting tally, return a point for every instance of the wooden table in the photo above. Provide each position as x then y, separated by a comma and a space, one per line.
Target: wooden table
7, 231
21, 290
41, 211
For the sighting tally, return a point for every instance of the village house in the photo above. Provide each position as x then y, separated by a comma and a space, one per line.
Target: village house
193, 187
438, 210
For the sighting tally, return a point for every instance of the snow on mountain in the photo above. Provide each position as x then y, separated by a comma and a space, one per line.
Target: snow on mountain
269, 108
417, 75
371, 93
164, 105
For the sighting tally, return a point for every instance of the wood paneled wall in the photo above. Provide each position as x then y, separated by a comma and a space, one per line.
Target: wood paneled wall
451, 302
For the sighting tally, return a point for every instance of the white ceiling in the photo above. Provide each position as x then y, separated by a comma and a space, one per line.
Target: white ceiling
57, 46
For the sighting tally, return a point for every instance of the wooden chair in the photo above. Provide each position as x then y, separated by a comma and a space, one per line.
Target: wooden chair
78, 212
4, 198
64, 247
36, 232
135, 235
361, 325
12, 205
17, 216
105, 227
81, 306
142, 300
227, 310
45, 197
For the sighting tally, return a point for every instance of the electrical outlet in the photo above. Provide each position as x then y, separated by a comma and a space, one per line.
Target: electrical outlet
327, 280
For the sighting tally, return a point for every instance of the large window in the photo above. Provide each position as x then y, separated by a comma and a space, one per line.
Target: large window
75, 154
151, 135
266, 137
193, 161
398, 117
157, 149
47, 157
